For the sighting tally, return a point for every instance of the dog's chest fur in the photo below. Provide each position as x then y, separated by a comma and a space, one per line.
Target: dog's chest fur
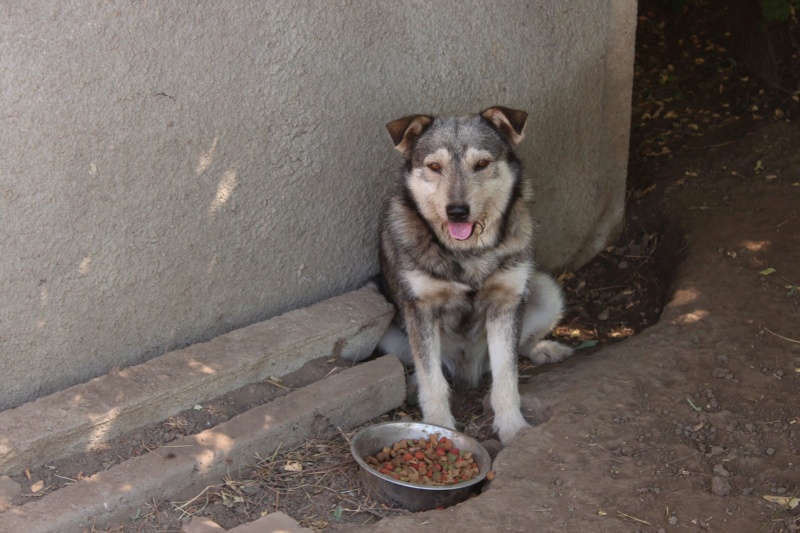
455, 287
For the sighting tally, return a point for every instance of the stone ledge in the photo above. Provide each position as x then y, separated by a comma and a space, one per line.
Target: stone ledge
272, 522
81, 417
194, 462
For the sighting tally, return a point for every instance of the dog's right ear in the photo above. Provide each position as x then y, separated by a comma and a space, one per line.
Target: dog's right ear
405, 131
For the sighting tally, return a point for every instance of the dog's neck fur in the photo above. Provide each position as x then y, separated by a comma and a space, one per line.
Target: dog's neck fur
512, 242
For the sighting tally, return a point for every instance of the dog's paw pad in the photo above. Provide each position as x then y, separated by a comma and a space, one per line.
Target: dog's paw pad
549, 352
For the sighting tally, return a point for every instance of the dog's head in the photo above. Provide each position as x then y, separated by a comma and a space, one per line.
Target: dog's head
461, 171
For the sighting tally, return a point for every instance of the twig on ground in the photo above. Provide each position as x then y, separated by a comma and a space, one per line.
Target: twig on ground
780, 336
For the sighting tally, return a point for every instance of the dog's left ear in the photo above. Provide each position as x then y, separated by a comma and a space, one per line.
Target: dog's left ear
404, 131
509, 122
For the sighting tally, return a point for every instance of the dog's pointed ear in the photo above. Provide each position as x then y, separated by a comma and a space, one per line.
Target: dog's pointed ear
509, 122
405, 131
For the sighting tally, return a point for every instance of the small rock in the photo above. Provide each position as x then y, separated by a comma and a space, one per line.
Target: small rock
9, 489
770, 451
623, 265
604, 315
717, 450
719, 372
492, 446
721, 471
673, 520
720, 486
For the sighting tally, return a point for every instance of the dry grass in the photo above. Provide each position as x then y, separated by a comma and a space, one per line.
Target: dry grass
317, 483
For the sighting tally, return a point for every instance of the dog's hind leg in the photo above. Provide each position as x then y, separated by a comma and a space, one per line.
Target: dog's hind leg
395, 341
542, 312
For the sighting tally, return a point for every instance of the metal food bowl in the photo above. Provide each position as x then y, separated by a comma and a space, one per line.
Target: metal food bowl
412, 496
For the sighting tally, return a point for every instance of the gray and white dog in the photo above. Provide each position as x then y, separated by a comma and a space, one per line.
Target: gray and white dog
456, 257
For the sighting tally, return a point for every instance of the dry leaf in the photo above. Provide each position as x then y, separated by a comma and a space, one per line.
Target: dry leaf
785, 501
293, 466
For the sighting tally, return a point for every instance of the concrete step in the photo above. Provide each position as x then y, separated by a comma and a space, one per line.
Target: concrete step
82, 417
194, 462
276, 522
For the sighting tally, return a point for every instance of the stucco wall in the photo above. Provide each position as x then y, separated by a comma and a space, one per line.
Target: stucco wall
173, 170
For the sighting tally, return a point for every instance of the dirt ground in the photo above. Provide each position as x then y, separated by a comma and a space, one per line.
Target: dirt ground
712, 235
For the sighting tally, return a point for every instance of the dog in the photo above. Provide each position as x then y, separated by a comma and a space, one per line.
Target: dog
456, 259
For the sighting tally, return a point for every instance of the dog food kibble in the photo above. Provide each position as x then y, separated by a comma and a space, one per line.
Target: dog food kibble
431, 461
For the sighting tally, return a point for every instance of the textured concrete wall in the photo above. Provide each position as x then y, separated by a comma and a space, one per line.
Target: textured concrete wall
173, 170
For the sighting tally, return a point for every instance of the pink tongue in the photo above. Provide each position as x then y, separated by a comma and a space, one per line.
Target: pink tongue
460, 230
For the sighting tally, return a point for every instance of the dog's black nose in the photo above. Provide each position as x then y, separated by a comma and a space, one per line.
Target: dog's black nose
457, 213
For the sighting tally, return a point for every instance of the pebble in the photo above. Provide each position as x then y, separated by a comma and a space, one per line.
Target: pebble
719, 372
604, 315
493, 447
721, 471
770, 451
673, 520
720, 486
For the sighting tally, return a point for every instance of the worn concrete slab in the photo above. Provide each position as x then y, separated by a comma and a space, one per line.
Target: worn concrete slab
86, 415
276, 522
9, 489
194, 462
202, 525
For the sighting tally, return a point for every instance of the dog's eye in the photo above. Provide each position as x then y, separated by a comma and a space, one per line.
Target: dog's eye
436, 167
481, 164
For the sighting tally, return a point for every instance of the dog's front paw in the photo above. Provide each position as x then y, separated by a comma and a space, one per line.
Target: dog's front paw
507, 427
544, 352
444, 420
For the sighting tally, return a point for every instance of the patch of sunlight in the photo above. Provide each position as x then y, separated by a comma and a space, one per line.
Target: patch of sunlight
756, 246
212, 264
201, 367
622, 332
103, 425
224, 191
690, 318
684, 296
44, 296
83, 268
206, 158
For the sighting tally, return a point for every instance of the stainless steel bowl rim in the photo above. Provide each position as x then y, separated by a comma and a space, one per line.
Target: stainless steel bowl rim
428, 429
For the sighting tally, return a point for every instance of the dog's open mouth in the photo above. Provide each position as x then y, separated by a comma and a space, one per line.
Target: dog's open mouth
460, 231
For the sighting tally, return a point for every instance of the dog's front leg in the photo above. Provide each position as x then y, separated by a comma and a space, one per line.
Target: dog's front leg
502, 333
506, 291
434, 392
